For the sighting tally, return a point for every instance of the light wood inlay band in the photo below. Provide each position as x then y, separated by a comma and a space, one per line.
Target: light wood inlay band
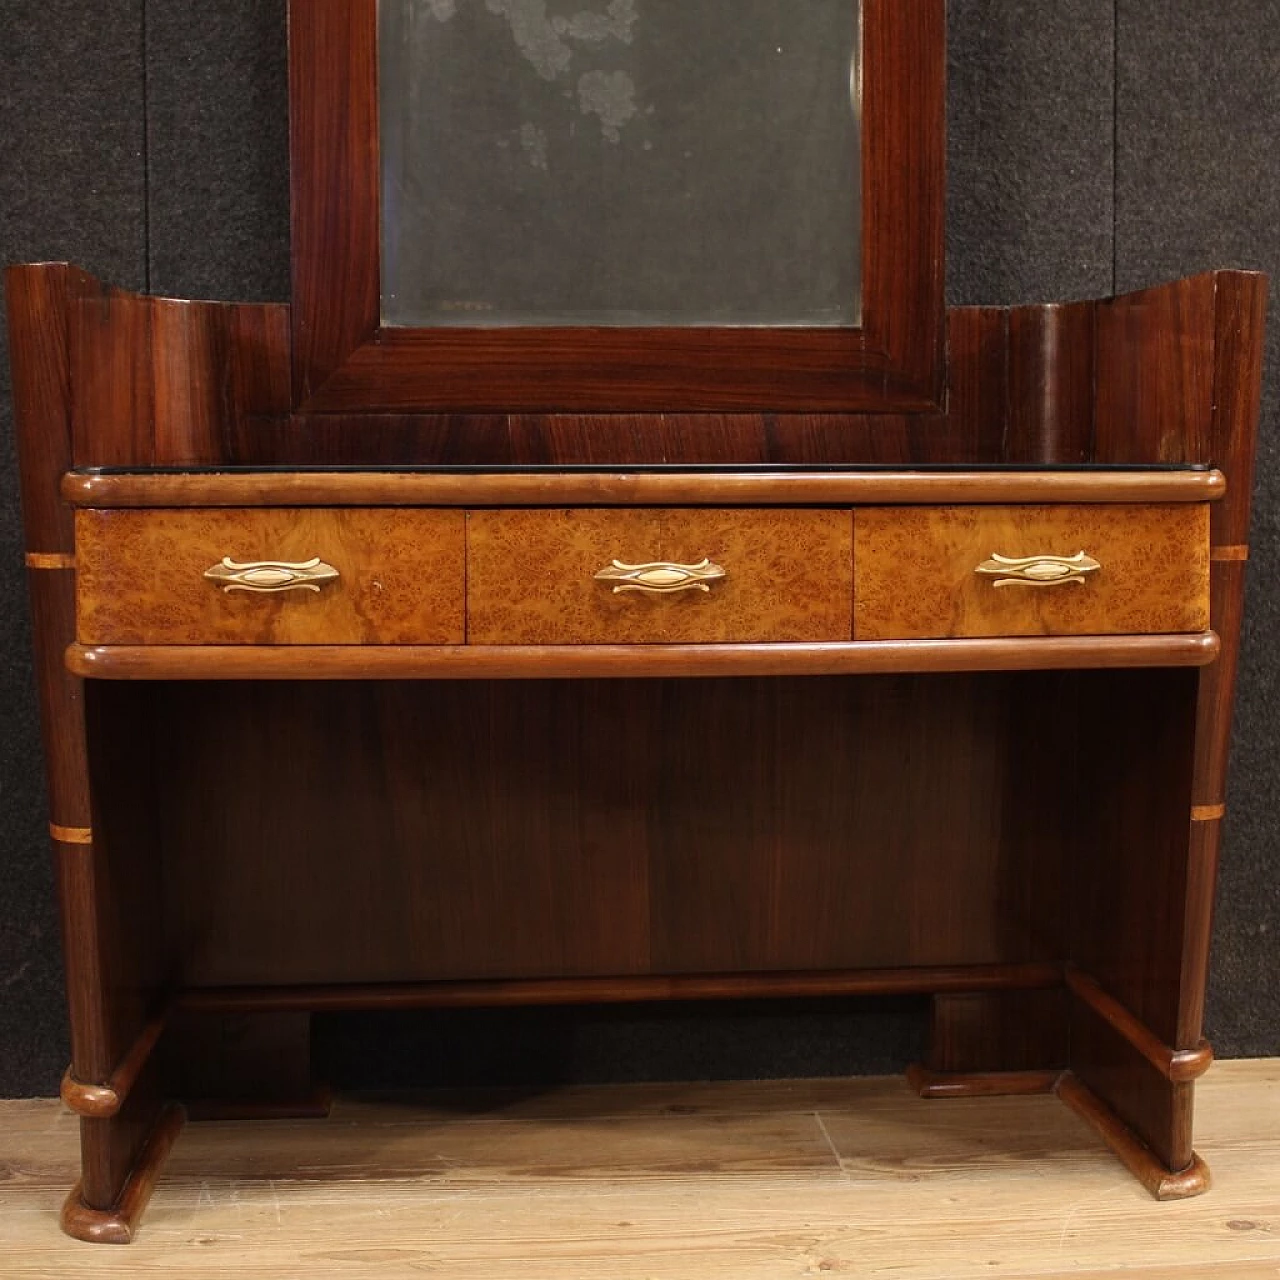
50, 560
1229, 553
1207, 812
70, 835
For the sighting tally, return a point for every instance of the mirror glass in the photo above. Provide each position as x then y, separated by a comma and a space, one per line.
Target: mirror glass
620, 162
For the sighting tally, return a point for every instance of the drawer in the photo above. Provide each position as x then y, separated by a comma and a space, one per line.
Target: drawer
142, 576
771, 576
931, 572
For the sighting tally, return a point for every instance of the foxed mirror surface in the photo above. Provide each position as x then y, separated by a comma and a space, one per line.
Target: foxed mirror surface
620, 162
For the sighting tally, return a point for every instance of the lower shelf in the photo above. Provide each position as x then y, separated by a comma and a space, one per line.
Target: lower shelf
489, 662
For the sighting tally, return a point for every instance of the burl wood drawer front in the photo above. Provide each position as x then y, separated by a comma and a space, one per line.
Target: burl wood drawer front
141, 576
1145, 570
787, 576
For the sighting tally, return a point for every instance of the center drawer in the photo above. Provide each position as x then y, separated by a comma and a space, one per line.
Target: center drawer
659, 575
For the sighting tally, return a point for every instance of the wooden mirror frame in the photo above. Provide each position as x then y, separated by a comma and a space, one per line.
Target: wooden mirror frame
345, 361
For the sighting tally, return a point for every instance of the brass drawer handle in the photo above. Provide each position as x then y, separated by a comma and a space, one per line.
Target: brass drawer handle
1038, 571
661, 578
266, 576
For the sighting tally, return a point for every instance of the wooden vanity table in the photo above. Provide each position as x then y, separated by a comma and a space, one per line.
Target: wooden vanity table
397, 649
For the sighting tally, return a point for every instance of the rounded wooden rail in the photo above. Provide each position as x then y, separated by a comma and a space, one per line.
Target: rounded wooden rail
953, 979
498, 662
100, 1101
843, 487
1180, 1066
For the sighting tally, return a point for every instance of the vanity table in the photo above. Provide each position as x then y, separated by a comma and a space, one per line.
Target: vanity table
616, 576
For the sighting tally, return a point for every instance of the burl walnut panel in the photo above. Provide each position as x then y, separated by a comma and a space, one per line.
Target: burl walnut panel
916, 568
140, 576
530, 576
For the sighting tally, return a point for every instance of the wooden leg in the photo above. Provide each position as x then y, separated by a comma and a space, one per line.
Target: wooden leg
118, 1222
1141, 1113
992, 1043
244, 1066
1137, 1157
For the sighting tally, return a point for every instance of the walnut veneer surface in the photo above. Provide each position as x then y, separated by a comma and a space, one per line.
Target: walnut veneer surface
527, 577
789, 576
916, 571
141, 576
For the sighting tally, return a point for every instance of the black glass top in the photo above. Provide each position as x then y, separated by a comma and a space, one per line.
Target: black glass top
719, 468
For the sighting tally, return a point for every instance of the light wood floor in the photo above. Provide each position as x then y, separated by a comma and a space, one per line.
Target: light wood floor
668, 1182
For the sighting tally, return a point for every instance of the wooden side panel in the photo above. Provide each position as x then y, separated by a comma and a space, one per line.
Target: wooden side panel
1158, 1111
113, 395
1155, 374
106, 880
141, 576
531, 576
163, 382
1132, 841
1239, 350
1241, 319
39, 299
916, 568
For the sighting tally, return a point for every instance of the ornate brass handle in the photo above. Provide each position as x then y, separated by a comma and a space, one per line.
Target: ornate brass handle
271, 575
1039, 571
661, 578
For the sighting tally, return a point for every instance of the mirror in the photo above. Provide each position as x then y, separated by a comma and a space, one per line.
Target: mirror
620, 163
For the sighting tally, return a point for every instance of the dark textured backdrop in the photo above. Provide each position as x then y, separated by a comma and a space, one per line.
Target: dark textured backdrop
1095, 145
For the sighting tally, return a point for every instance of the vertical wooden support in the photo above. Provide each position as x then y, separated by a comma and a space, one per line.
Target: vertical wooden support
1241, 311
105, 945
1179, 380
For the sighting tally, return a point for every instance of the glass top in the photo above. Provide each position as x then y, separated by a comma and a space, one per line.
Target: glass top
620, 162
671, 468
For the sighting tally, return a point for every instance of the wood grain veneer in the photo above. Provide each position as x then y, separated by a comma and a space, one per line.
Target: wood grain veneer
530, 576
509, 829
634, 488
581, 661
916, 571
141, 577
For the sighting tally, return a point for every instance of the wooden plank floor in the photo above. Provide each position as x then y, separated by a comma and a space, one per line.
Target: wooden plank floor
769, 1181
